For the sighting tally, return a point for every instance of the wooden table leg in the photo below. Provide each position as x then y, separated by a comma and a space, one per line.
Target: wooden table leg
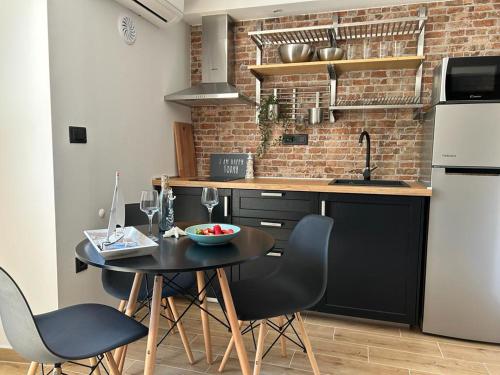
281, 323
233, 321
260, 348
33, 368
94, 362
229, 349
113, 367
307, 344
154, 322
182, 332
131, 305
200, 278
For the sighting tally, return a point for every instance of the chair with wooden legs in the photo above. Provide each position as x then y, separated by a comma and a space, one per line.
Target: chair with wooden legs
296, 285
70, 334
119, 284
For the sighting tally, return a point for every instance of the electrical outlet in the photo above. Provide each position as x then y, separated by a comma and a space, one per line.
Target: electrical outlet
295, 139
77, 134
80, 266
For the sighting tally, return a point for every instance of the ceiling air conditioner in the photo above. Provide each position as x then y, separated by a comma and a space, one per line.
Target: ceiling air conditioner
159, 12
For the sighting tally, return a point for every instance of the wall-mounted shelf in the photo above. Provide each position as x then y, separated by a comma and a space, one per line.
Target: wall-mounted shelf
409, 26
346, 31
340, 66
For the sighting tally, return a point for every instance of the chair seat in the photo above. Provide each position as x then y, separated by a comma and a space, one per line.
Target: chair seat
87, 330
275, 295
118, 284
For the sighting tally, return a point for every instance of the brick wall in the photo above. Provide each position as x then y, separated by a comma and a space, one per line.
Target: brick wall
454, 28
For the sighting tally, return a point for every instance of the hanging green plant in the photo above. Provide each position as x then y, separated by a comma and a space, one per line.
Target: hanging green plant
268, 115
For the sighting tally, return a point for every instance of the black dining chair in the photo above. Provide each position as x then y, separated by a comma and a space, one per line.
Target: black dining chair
297, 284
86, 331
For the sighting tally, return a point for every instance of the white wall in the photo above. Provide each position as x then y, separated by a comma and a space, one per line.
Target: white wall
116, 91
27, 222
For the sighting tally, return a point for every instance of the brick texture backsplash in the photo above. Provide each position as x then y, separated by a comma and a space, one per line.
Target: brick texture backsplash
454, 28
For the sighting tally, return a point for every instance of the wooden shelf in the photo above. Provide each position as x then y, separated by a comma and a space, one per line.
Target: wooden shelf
341, 66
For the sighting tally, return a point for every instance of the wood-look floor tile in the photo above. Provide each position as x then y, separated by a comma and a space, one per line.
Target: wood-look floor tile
233, 368
493, 369
13, 368
388, 342
138, 369
415, 333
9, 355
219, 343
425, 363
343, 366
476, 354
355, 324
339, 349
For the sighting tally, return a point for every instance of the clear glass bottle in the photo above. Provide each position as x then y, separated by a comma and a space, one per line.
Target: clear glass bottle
166, 213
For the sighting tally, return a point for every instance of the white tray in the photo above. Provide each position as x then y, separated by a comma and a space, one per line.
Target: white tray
131, 243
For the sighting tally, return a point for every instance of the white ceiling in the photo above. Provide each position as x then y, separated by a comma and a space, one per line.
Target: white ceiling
254, 9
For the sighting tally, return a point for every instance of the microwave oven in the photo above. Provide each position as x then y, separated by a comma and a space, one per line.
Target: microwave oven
467, 80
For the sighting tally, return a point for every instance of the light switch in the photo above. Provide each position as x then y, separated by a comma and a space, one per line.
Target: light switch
77, 134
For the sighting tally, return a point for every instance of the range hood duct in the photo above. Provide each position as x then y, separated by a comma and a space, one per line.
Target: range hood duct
217, 63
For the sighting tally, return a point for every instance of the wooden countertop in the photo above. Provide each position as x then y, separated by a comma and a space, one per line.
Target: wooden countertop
312, 185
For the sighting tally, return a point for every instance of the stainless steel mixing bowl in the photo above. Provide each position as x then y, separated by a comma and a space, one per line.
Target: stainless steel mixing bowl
298, 52
330, 53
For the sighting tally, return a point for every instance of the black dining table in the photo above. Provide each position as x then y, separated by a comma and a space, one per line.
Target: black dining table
183, 255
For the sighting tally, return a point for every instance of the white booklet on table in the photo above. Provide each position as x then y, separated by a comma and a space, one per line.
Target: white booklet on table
127, 242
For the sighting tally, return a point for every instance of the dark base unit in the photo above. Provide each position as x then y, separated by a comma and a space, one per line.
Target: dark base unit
376, 260
188, 207
376, 256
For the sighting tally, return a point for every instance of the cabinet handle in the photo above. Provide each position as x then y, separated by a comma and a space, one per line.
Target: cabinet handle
269, 194
323, 208
226, 201
274, 254
270, 224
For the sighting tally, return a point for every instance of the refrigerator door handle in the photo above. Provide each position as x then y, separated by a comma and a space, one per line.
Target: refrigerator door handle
473, 171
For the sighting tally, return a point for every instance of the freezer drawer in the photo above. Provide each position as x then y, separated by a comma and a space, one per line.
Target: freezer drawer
467, 135
462, 291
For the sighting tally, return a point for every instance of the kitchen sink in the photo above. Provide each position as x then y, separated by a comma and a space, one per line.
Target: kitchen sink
387, 183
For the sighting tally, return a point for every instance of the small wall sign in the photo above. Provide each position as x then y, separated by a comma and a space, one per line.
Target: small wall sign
228, 165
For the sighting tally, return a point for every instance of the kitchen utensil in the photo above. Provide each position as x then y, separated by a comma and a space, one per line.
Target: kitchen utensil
219, 239
330, 53
184, 149
296, 52
367, 51
316, 114
385, 47
352, 52
273, 109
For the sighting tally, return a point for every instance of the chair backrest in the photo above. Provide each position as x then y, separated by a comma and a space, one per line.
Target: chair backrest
306, 257
19, 324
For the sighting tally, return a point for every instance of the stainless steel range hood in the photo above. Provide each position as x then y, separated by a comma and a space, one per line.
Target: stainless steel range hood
217, 63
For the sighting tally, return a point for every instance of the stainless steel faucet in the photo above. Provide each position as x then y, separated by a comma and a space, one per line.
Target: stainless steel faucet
367, 172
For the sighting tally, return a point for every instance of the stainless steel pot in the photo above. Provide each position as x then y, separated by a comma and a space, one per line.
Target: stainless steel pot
330, 53
315, 116
297, 52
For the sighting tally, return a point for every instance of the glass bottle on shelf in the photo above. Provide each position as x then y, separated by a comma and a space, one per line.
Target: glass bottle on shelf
166, 219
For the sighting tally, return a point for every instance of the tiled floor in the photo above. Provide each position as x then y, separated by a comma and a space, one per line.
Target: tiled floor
343, 347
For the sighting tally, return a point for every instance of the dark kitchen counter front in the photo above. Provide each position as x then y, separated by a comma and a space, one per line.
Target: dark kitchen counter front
307, 185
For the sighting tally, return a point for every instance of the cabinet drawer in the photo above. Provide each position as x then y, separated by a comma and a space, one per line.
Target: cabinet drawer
267, 204
279, 229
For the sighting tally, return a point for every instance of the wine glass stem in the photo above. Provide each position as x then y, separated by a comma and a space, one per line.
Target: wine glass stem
210, 215
150, 217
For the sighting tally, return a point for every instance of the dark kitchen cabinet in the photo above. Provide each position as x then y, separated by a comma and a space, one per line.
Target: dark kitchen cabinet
376, 256
188, 207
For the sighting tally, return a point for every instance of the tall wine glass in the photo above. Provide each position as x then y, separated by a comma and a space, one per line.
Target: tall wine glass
210, 199
150, 205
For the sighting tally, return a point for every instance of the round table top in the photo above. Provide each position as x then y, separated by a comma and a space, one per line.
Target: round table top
182, 254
